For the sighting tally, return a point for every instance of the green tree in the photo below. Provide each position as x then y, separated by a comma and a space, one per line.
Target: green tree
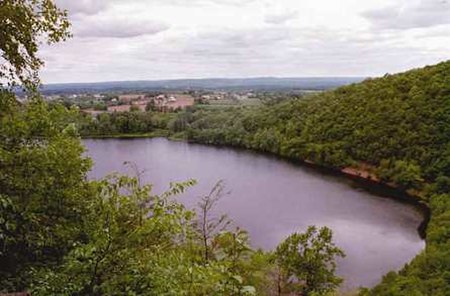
130, 234
100, 106
307, 263
402, 173
24, 24
42, 181
134, 108
151, 106
42, 171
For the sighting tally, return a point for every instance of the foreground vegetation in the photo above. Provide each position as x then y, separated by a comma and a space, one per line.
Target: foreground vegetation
396, 127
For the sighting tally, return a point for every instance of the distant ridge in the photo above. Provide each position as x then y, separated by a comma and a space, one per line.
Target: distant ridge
262, 83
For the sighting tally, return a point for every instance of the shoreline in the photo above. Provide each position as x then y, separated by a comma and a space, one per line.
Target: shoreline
150, 135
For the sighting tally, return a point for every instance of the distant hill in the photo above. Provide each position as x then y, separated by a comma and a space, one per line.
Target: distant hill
265, 83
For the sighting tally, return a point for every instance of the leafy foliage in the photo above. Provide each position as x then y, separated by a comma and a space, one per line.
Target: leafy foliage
123, 123
307, 262
43, 184
24, 24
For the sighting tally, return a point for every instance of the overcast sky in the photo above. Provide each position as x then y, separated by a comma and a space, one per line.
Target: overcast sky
117, 40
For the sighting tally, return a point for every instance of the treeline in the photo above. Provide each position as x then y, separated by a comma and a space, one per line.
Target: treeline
116, 123
397, 127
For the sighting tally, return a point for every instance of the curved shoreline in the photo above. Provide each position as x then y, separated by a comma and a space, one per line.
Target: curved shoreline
376, 186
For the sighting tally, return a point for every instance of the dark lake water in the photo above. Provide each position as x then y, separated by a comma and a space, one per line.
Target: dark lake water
272, 198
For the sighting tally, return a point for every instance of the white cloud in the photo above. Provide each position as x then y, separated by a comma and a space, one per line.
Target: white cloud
411, 14
120, 27
281, 18
82, 6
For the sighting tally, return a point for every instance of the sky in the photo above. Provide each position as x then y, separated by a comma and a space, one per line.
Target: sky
118, 40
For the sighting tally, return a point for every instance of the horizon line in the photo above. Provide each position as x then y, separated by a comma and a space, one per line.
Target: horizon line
210, 78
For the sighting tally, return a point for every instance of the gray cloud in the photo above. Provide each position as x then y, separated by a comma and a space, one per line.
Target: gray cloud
88, 7
280, 18
99, 18
283, 51
190, 3
117, 27
231, 2
415, 14
248, 38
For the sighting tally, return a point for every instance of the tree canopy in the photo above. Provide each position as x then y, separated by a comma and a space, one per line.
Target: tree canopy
24, 25
308, 262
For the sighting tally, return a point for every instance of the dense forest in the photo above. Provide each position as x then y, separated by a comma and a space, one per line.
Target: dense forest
397, 127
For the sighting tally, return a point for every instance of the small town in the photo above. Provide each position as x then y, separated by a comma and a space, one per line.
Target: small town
97, 103
142, 102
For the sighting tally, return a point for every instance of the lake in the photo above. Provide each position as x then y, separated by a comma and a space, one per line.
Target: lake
271, 198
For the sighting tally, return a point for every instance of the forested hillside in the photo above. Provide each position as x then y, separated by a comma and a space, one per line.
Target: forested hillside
397, 127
